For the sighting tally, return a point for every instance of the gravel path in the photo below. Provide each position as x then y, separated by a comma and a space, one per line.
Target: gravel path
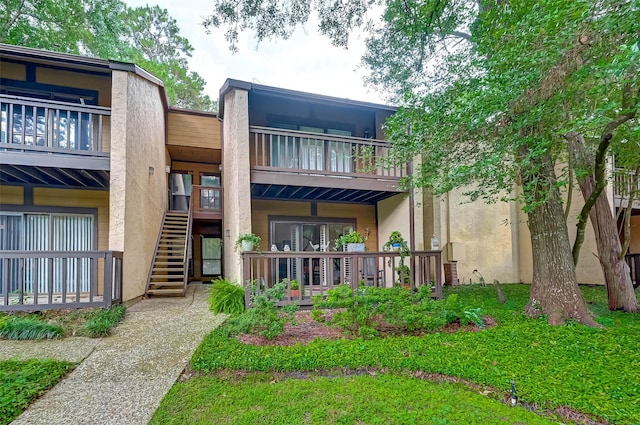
126, 375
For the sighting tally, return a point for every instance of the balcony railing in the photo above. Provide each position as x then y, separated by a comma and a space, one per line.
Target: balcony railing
39, 280
317, 272
207, 202
625, 183
54, 127
320, 154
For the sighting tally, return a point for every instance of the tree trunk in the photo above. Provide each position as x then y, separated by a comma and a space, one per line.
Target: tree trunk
554, 289
620, 293
617, 276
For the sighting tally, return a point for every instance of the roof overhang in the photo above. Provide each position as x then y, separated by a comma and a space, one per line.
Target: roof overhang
232, 84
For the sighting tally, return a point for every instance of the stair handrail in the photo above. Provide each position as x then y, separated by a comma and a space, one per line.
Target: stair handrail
187, 245
155, 253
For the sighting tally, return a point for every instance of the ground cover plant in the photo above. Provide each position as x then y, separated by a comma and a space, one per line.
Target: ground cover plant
49, 324
21, 382
360, 399
571, 368
368, 311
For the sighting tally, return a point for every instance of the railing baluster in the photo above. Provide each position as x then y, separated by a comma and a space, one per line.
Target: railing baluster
6, 263
24, 124
65, 278
10, 123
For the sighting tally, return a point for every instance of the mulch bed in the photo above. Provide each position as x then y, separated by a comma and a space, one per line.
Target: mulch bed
307, 329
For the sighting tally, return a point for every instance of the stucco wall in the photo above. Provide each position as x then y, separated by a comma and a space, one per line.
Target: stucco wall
393, 214
479, 237
236, 178
137, 198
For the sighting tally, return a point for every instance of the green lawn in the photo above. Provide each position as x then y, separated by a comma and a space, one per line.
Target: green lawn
21, 382
383, 399
594, 371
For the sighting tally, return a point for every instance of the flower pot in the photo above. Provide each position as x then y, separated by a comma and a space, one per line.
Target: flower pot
396, 246
247, 246
294, 293
355, 247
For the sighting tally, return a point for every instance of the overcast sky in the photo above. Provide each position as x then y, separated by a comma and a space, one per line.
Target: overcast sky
306, 62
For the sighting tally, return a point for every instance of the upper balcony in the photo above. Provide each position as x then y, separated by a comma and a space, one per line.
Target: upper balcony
624, 184
54, 143
299, 165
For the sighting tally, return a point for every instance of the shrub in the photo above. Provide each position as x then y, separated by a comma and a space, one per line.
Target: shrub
29, 328
369, 309
101, 322
226, 297
264, 318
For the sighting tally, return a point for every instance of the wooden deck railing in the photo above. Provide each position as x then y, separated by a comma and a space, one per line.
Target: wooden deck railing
40, 280
319, 154
317, 272
624, 184
207, 202
54, 127
633, 260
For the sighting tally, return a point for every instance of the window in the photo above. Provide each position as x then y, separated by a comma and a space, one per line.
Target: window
309, 153
308, 234
210, 198
211, 256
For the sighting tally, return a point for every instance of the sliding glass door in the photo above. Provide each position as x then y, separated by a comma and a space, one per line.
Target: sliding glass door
307, 234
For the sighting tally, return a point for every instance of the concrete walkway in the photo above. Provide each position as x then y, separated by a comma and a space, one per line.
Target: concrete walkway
124, 377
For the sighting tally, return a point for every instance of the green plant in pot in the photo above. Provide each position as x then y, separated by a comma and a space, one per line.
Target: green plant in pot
248, 242
396, 243
294, 288
353, 241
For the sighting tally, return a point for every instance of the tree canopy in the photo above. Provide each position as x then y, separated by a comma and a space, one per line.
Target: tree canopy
147, 36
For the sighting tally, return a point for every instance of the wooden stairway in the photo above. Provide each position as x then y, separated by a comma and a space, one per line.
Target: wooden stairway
168, 273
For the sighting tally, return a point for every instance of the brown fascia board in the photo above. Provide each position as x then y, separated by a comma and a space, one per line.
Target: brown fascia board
10, 50
231, 84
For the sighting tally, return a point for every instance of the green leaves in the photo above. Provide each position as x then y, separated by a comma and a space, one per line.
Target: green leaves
31, 328
226, 297
21, 382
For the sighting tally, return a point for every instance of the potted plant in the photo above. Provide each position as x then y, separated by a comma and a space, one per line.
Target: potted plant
294, 288
248, 242
352, 241
396, 243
